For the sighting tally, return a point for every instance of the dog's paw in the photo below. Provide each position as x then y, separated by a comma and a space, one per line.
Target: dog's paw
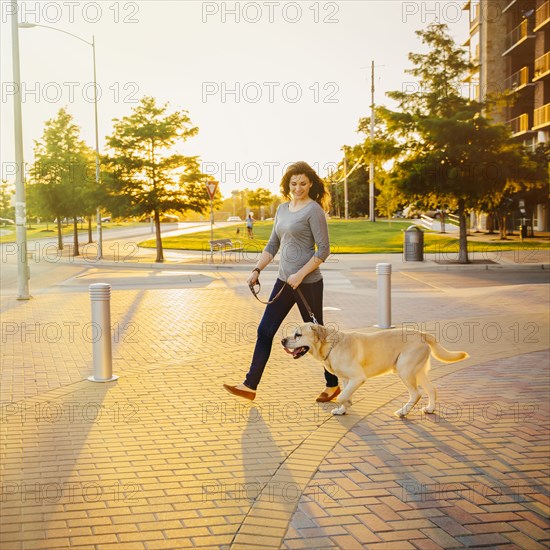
401, 413
339, 411
428, 410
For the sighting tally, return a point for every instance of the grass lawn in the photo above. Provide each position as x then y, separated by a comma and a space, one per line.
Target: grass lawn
42, 230
346, 237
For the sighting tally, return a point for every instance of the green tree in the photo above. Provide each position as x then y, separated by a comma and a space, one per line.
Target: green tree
7, 190
357, 184
380, 148
388, 198
147, 175
260, 197
236, 203
358, 157
59, 181
451, 154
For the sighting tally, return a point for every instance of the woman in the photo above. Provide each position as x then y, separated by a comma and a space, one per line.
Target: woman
250, 225
300, 225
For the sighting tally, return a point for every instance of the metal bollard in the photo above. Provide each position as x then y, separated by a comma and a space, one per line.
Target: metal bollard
100, 296
384, 295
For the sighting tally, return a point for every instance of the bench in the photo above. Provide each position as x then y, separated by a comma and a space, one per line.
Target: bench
225, 246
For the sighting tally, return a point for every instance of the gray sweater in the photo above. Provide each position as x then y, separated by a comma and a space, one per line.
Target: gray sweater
296, 234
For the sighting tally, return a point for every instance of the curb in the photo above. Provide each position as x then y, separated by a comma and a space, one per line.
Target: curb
428, 265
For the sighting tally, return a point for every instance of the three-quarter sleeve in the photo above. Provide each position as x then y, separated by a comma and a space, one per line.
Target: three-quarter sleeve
274, 242
319, 229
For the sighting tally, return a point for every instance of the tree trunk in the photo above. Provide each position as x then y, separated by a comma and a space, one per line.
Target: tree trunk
90, 238
442, 215
75, 232
503, 233
463, 238
160, 255
59, 234
490, 223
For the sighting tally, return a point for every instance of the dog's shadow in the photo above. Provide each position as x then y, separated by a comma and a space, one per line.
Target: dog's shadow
425, 456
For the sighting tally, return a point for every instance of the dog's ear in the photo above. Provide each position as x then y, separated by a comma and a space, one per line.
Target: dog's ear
319, 331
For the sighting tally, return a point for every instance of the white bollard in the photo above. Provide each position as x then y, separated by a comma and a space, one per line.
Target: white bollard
384, 295
100, 296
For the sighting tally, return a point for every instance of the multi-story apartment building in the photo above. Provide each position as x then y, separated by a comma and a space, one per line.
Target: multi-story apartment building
509, 45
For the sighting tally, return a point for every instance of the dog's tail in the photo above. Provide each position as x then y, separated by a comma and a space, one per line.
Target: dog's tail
442, 354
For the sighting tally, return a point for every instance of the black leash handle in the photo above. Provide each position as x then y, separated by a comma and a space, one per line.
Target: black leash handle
298, 291
255, 293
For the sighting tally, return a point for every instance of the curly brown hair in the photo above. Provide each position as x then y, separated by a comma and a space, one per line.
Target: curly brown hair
318, 191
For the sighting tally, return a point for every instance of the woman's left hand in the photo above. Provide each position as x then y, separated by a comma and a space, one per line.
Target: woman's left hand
294, 280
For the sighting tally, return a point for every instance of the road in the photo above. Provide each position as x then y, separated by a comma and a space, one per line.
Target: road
48, 266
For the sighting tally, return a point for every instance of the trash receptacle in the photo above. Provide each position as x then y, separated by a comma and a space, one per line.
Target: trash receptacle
413, 246
523, 231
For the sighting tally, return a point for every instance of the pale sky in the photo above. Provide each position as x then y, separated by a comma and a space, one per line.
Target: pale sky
288, 81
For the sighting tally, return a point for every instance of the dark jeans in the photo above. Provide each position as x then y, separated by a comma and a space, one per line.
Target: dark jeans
272, 319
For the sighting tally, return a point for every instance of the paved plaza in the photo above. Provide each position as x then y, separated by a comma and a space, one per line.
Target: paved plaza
163, 457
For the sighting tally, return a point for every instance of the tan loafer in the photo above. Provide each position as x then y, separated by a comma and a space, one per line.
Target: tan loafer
240, 393
325, 397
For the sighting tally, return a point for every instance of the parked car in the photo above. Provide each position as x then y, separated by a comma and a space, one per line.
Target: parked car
234, 219
169, 218
106, 219
6, 221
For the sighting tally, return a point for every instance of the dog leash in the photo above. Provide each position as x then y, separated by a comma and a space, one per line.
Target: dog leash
312, 315
255, 293
298, 291
309, 310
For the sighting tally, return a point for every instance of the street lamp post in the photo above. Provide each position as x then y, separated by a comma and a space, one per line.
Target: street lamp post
98, 214
20, 203
24, 25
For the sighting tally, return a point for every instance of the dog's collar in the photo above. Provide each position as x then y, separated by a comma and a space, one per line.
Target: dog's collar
331, 348
334, 343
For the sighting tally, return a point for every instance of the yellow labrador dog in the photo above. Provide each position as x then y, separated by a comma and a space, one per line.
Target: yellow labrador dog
354, 357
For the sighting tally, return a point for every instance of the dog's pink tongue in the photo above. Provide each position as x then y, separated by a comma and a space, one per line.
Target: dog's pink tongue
291, 351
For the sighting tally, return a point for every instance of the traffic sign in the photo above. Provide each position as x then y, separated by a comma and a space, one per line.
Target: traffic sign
211, 187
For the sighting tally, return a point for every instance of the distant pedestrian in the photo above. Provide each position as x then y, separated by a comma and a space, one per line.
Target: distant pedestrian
250, 225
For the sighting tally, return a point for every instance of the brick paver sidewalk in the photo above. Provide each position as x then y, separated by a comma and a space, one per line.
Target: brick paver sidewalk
163, 458
473, 474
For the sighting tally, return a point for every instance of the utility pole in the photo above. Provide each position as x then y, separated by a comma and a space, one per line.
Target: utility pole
371, 166
346, 210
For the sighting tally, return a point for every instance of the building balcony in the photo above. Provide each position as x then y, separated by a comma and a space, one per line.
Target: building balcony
542, 67
519, 35
541, 117
509, 5
517, 81
519, 125
542, 16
